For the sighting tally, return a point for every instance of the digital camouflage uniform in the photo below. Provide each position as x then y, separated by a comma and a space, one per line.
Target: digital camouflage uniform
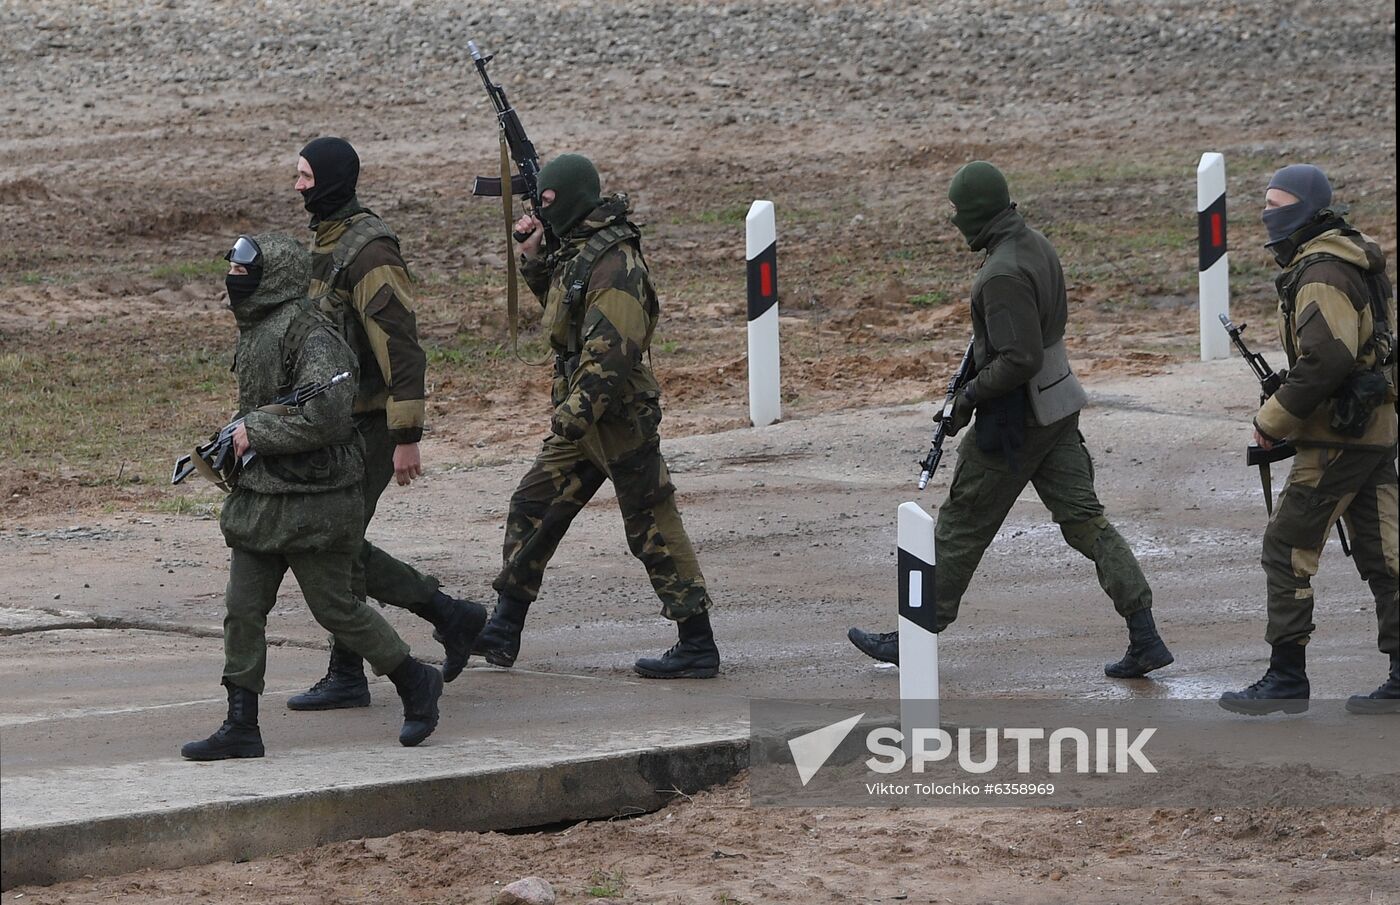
606, 414
1329, 333
372, 300
1019, 309
297, 505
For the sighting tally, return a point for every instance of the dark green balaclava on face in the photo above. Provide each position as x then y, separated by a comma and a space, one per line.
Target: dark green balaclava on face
577, 191
979, 193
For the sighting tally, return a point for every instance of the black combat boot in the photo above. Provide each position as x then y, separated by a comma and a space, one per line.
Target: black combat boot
882, 646
1284, 687
499, 641
237, 737
343, 685
1385, 699
694, 656
1146, 649
456, 624
419, 687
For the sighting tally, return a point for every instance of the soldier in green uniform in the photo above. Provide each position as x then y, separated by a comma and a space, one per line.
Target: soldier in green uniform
1337, 406
1027, 403
361, 281
600, 311
296, 504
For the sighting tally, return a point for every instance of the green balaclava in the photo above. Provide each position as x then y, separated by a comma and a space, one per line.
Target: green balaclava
979, 193
577, 191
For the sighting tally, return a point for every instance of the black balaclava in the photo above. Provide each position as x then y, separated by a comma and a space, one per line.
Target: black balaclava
241, 286
336, 169
979, 194
576, 187
1314, 193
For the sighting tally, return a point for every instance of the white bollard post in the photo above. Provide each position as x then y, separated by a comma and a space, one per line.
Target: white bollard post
918, 645
765, 403
1214, 260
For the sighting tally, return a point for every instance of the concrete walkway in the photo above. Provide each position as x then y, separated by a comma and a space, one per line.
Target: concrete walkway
110, 647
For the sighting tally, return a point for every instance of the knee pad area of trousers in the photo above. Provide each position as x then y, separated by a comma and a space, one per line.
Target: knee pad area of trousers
1084, 536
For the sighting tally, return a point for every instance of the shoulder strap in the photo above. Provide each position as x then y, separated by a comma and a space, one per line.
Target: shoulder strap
581, 269
304, 322
364, 228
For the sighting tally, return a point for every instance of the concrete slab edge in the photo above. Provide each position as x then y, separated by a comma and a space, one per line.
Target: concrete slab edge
619, 785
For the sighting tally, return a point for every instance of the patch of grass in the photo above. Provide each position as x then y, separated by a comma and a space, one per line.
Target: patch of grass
188, 505
191, 270
605, 885
734, 213
468, 350
90, 413
668, 346
930, 299
31, 278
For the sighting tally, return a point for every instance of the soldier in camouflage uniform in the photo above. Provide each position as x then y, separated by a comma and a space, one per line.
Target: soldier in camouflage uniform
362, 283
297, 504
1337, 406
600, 310
1027, 403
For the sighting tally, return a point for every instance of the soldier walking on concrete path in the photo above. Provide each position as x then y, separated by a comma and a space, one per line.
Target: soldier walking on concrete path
1337, 407
296, 505
1027, 403
600, 311
360, 280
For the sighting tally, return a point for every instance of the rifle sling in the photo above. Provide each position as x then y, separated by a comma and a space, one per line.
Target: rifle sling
512, 283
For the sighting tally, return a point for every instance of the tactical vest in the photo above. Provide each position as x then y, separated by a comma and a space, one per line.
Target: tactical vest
577, 272
1370, 385
304, 322
334, 299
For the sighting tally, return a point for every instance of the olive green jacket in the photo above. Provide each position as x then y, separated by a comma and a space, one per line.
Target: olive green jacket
1019, 306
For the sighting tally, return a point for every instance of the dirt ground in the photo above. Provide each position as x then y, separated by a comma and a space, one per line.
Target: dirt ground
137, 139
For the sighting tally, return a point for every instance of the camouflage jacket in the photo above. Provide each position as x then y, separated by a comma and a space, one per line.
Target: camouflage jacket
1329, 333
1019, 306
373, 299
609, 327
302, 490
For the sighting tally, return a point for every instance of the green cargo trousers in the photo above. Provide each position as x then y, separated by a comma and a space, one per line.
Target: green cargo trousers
1056, 462
625, 448
324, 578
1359, 487
378, 574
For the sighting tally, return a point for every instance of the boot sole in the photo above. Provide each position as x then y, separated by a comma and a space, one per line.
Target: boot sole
497, 658
236, 753
701, 672
1141, 671
1264, 707
336, 705
872, 655
1373, 706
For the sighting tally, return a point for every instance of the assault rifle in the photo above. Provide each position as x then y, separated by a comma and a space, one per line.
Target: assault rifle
1256, 455
514, 141
216, 461
940, 430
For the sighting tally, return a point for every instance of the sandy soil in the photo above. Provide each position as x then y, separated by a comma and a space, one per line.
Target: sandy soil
137, 139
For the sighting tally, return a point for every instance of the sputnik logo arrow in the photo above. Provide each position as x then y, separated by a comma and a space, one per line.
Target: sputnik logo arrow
810, 751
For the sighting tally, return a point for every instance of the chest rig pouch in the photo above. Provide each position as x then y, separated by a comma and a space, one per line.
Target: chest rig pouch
315, 467
575, 280
1367, 387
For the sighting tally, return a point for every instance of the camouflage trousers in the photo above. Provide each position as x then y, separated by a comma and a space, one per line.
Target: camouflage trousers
1359, 487
324, 578
1056, 462
625, 448
378, 574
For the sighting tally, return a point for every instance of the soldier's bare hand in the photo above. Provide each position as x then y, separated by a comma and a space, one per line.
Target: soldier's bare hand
240, 440
531, 224
408, 464
1262, 441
